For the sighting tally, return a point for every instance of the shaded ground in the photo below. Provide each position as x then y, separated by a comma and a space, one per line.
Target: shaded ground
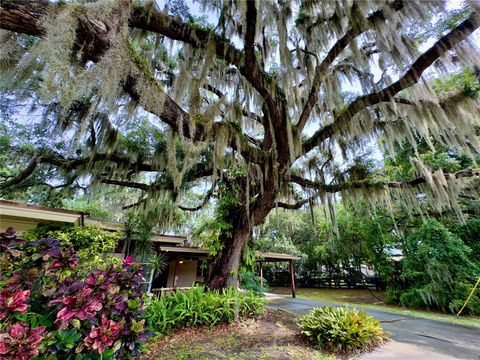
275, 336
450, 340
356, 296
371, 300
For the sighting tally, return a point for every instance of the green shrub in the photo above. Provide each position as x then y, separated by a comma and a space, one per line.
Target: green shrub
462, 290
469, 233
90, 239
42, 231
438, 271
91, 243
252, 282
393, 293
342, 330
200, 307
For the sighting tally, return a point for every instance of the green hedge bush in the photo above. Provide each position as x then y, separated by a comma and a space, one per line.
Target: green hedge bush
438, 271
198, 306
252, 282
92, 244
342, 330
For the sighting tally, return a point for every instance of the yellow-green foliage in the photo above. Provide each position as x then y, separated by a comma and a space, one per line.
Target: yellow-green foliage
91, 243
95, 239
464, 82
342, 330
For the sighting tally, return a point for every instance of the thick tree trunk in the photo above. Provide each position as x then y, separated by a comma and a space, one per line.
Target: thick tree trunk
224, 269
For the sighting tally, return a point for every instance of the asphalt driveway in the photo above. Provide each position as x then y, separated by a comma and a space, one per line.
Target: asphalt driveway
423, 337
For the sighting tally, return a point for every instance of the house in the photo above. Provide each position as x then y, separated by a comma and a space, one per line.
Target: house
23, 217
186, 264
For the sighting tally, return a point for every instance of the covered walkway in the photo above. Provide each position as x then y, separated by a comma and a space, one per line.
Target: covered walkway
278, 257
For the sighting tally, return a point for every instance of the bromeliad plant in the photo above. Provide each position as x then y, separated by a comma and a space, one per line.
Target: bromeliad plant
53, 308
342, 330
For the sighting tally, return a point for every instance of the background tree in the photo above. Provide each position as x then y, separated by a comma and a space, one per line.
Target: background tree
438, 269
265, 102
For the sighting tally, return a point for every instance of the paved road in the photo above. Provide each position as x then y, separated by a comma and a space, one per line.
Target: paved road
457, 341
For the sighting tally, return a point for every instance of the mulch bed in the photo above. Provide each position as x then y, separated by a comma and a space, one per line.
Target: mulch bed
273, 336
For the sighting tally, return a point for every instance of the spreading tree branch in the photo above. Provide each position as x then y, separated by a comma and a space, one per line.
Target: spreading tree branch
135, 204
368, 184
411, 77
67, 165
130, 184
299, 203
147, 187
355, 29
251, 24
29, 169
205, 200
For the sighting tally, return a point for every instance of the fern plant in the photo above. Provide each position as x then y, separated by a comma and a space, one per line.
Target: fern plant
252, 282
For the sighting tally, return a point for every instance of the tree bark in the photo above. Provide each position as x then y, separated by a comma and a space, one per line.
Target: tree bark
232, 215
224, 269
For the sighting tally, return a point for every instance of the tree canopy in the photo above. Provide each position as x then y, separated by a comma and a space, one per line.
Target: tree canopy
253, 104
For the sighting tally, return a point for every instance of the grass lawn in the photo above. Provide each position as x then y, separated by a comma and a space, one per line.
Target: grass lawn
274, 336
366, 300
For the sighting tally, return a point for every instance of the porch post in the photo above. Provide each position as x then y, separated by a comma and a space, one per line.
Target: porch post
261, 274
292, 277
175, 277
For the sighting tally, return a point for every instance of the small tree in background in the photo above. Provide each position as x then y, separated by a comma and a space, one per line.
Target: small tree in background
137, 234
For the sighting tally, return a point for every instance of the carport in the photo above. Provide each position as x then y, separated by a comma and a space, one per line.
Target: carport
278, 257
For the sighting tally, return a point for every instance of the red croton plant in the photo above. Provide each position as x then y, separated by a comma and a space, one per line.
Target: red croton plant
50, 305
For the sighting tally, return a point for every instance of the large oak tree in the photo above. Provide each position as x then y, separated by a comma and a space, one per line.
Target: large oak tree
262, 100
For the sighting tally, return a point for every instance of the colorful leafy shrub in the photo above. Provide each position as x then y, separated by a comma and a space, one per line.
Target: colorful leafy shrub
21, 342
13, 301
104, 335
52, 307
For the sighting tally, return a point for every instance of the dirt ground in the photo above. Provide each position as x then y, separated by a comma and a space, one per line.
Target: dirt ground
274, 336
